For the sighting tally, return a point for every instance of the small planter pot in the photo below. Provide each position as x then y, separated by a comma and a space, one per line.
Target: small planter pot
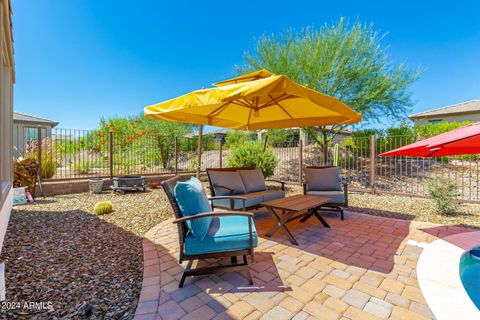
95, 185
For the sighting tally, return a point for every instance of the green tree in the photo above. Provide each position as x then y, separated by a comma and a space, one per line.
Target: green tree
235, 137
344, 60
277, 136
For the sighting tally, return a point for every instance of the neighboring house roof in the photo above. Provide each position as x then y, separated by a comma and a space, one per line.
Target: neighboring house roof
464, 107
27, 118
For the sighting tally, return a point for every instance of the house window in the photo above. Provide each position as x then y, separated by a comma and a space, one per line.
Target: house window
435, 121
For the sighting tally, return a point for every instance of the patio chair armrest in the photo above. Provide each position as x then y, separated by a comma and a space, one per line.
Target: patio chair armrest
277, 181
214, 214
227, 197
231, 198
226, 188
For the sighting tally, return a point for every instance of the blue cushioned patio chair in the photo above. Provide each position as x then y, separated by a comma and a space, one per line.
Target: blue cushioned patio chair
230, 234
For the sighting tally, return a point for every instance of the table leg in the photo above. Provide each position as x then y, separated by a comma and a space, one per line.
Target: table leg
307, 216
280, 224
314, 212
320, 218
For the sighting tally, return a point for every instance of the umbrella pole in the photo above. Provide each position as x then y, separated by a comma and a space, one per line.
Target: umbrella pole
199, 154
265, 142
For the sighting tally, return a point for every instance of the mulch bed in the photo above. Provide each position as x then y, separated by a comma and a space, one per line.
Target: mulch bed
87, 266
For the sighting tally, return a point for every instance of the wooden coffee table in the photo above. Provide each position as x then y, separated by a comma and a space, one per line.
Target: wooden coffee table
292, 208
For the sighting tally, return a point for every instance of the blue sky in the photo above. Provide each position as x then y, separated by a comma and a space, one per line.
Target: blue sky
80, 60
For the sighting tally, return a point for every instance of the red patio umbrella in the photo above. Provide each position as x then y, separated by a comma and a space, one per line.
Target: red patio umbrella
464, 140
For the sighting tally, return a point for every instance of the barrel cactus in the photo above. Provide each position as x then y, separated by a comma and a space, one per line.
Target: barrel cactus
103, 207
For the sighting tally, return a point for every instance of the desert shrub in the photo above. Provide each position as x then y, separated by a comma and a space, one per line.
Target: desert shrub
443, 194
49, 165
236, 137
280, 136
251, 154
361, 140
103, 207
430, 130
402, 130
347, 143
49, 168
192, 161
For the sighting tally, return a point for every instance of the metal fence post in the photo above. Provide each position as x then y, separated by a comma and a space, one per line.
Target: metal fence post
176, 154
372, 163
300, 162
39, 151
110, 150
199, 151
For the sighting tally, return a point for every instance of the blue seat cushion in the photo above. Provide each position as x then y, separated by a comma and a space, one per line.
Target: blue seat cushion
191, 199
227, 233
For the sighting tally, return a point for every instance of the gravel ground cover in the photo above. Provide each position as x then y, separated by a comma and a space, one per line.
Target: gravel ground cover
91, 266
407, 208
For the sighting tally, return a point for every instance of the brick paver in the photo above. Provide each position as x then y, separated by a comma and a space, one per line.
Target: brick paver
361, 268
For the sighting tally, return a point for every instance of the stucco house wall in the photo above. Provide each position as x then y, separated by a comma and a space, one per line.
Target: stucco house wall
7, 79
463, 111
447, 118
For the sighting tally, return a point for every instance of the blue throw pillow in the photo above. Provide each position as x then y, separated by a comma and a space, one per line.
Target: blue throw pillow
191, 199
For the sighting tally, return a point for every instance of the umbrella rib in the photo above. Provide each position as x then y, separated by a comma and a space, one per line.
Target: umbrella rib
247, 103
249, 115
283, 109
274, 101
220, 109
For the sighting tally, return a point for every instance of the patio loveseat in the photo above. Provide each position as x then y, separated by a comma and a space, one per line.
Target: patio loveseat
246, 184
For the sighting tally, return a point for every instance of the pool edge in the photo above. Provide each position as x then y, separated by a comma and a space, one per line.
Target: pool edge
438, 272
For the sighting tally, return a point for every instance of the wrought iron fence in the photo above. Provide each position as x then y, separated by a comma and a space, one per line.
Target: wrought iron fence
364, 170
78, 154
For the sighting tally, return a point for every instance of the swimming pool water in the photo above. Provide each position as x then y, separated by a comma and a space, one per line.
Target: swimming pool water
470, 274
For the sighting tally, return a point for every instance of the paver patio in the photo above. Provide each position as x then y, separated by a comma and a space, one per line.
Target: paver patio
361, 268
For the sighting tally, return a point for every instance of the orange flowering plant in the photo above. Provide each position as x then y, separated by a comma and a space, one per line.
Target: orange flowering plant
138, 141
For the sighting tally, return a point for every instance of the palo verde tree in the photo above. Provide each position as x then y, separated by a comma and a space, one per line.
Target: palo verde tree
343, 60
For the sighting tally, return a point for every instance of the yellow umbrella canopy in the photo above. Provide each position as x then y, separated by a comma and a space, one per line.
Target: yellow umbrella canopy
259, 100
260, 74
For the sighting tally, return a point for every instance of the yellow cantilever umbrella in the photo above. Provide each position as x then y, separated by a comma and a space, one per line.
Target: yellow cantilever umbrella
271, 101
258, 100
